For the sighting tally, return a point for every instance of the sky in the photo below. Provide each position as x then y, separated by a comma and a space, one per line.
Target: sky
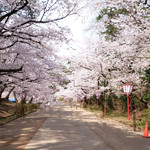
78, 25
81, 33
78, 37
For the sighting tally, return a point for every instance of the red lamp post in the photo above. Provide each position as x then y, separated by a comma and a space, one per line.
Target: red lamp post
98, 93
127, 88
105, 112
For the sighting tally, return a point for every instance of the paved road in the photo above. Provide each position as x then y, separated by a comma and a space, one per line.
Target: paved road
80, 130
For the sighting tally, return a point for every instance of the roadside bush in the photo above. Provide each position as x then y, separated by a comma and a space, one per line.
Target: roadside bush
84, 105
61, 99
22, 109
109, 102
93, 108
93, 100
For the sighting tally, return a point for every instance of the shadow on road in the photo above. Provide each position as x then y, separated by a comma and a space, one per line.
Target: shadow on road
16, 134
118, 139
63, 131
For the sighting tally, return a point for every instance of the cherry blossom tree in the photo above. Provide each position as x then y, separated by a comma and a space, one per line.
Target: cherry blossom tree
29, 30
118, 55
39, 74
33, 22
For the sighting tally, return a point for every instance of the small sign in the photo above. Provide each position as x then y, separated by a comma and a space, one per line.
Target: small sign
88, 96
127, 88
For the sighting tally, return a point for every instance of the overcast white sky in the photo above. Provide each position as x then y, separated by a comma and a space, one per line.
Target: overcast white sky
79, 27
78, 35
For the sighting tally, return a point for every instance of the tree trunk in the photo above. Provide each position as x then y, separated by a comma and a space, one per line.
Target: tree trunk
2, 88
9, 92
31, 100
132, 104
134, 120
98, 83
15, 96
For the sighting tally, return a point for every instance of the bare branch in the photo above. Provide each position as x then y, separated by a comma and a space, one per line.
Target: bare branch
86, 67
7, 96
5, 47
10, 68
15, 10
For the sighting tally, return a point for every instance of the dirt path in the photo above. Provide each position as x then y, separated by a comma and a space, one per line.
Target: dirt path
71, 129
16, 134
62, 127
115, 135
64, 131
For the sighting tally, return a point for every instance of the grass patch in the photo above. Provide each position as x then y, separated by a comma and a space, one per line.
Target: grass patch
141, 117
93, 108
4, 120
16, 111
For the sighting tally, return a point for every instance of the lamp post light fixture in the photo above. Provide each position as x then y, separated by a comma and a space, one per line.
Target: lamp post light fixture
127, 89
98, 93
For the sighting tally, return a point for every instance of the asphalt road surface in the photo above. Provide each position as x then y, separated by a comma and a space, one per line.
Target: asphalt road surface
70, 129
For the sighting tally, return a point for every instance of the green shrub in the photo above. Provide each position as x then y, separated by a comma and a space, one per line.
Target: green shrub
22, 109
61, 99
84, 105
94, 108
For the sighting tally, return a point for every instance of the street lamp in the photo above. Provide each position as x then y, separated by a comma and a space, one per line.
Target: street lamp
127, 89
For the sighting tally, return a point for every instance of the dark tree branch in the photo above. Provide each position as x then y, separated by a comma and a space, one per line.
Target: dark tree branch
11, 70
86, 67
26, 39
2, 88
15, 10
13, 76
145, 2
16, 57
47, 9
5, 47
7, 96
30, 22
14, 93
